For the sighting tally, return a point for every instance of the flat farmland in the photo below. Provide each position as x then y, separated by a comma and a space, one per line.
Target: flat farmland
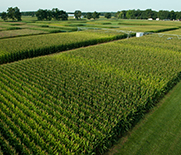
24, 47
78, 102
22, 32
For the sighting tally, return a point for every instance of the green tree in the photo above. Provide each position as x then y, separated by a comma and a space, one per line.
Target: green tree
138, 14
162, 14
123, 14
95, 15
143, 15
17, 13
14, 13
4, 16
130, 14
59, 14
172, 15
63, 15
41, 14
117, 13
48, 15
11, 13
120, 15
77, 14
89, 15
107, 15
178, 15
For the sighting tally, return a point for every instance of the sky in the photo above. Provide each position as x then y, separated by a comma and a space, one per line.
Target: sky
91, 5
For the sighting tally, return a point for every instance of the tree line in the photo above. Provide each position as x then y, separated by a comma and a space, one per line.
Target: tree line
145, 14
56, 14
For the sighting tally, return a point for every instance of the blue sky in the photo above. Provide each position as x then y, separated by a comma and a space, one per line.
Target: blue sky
91, 5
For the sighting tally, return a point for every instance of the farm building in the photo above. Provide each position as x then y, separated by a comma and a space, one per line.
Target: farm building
139, 34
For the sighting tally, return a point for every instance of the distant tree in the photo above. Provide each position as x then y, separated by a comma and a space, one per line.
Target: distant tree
138, 14
14, 13
41, 14
17, 13
95, 15
4, 16
149, 13
129, 14
77, 14
89, 15
107, 15
123, 14
143, 15
172, 15
117, 13
63, 15
11, 13
57, 14
33, 14
163, 14
178, 15
48, 14
120, 15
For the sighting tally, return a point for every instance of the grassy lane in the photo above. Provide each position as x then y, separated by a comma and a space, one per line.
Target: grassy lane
158, 133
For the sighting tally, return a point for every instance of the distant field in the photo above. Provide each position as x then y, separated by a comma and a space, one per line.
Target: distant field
72, 24
94, 29
155, 41
24, 47
176, 32
78, 102
22, 32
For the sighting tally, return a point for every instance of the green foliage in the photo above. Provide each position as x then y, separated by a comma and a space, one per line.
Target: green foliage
130, 14
12, 13
59, 14
120, 15
108, 15
148, 13
77, 14
48, 14
95, 15
32, 46
17, 13
4, 16
89, 15
78, 102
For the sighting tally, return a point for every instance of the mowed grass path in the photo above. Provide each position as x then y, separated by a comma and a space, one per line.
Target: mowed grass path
158, 133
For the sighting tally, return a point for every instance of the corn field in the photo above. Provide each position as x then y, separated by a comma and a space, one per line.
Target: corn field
78, 102
14, 49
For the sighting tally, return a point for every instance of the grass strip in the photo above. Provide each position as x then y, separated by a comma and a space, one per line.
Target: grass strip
158, 133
